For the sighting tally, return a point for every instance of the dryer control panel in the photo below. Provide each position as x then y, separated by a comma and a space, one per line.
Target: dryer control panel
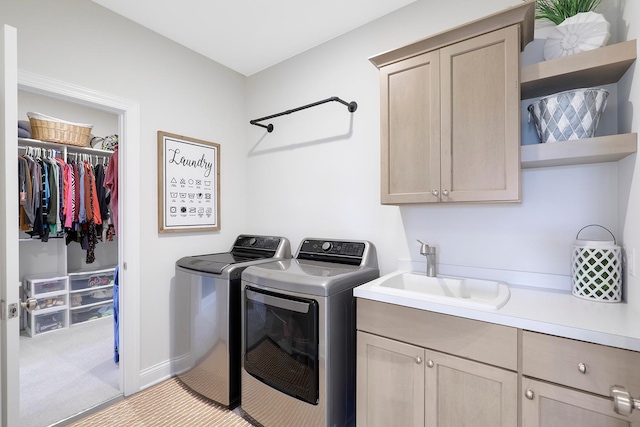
343, 252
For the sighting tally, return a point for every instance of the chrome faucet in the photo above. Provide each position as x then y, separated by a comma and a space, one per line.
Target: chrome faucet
430, 253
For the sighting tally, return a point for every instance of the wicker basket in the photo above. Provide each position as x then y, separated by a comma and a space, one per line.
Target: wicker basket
573, 114
46, 128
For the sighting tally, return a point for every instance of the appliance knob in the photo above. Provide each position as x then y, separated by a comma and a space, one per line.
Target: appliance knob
326, 246
252, 241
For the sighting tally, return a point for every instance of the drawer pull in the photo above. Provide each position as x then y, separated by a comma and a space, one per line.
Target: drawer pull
623, 403
418, 360
529, 394
430, 363
582, 368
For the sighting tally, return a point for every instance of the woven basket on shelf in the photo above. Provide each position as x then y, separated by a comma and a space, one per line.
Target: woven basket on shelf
46, 128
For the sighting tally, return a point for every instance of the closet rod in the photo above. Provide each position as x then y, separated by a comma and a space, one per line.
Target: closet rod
352, 106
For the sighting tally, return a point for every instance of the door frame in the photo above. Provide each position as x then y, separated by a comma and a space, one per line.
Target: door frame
128, 112
9, 275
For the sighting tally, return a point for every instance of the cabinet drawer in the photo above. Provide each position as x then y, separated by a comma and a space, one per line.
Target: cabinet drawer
87, 280
558, 360
84, 314
472, 339
35, 286
91, 296
49, 320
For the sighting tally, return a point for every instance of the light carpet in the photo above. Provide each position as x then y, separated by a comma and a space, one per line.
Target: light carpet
65, 372
169, 404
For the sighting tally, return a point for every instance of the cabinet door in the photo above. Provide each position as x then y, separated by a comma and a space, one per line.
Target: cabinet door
550, 405
460, 392
480, 108
410, 130
390, 383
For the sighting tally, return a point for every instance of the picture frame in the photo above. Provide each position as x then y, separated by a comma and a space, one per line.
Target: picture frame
188, 184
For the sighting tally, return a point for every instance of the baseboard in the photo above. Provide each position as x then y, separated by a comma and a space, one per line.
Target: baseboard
164, 370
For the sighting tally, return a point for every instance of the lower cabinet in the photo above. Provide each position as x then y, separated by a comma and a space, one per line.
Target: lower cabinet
420, 368
406, 385
550, 405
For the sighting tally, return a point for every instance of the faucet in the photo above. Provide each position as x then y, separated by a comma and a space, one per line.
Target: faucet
430, 253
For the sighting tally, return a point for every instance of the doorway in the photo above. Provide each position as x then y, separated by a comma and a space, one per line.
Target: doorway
125, 379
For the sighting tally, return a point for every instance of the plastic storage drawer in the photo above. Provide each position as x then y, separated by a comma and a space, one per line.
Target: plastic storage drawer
38, 285
93, 279
46, 321
84, 314
91, 296
49, 301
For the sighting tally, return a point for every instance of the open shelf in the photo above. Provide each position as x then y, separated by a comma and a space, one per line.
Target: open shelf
596, 67
592, 150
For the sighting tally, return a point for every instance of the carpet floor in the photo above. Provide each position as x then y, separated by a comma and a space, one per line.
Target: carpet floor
169, 404
65, 372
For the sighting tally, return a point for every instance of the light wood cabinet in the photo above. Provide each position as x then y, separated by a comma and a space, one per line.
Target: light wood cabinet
449, 123
420, 368
390, 386
582, 374
402, 378
450, 128
403, 384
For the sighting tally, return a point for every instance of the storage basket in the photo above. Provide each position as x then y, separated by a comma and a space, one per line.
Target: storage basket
573, 114
50, 129
596, 269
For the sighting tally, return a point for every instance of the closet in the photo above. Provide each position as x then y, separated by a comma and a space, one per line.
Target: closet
71, 284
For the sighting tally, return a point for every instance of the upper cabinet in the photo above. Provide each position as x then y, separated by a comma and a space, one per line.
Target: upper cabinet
596, 67
450, 128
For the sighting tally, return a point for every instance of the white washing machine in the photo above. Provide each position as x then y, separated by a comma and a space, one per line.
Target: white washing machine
299, 334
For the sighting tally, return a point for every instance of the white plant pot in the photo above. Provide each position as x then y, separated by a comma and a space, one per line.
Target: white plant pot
579, 33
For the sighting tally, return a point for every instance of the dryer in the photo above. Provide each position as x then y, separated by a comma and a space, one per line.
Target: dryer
299, 334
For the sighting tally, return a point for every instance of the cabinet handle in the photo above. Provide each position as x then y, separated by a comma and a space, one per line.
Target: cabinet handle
582, 368
435, 192
418, 360
529, 394
430, 363
623, 403
445, 192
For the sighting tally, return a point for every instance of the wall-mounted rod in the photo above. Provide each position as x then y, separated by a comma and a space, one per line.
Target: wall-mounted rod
352, 106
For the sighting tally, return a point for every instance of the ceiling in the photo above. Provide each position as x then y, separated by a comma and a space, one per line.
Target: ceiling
251, 35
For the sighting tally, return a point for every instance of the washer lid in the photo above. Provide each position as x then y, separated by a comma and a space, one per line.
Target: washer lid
309, 277
215, 263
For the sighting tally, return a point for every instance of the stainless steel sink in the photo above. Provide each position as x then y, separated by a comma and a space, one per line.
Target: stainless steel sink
458, 291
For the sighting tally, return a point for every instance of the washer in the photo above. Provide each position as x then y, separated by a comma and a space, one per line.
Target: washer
299, 334
208, 306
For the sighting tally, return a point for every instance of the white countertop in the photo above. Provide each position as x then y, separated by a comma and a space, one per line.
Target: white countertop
552, 312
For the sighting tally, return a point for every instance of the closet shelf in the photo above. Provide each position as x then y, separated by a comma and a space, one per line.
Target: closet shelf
70, 148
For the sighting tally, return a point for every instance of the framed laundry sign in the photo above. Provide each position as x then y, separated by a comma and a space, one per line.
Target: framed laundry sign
188, 184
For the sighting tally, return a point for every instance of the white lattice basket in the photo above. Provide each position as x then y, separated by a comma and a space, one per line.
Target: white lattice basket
596, 269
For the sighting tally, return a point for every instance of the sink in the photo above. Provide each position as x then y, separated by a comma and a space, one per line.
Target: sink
458, 291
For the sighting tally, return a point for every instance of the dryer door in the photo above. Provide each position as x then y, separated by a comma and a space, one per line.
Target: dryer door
281, 342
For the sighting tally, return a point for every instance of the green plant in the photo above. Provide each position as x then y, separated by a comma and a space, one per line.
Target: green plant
557, 11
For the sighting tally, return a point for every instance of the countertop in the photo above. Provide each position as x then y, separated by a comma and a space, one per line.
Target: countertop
540, 310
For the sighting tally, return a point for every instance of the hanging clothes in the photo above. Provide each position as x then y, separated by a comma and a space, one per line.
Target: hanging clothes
111, 183
57, 197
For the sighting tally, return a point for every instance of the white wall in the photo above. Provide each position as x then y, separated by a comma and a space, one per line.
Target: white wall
318, 173
180, 92
629, 117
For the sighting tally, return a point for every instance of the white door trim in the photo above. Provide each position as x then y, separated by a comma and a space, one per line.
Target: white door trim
129, 209
9, 275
